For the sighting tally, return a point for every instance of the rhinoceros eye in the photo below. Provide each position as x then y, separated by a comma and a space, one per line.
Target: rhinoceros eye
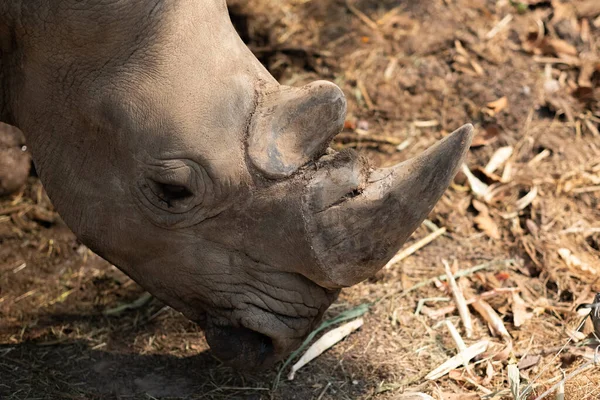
176, 193
174, 187
171, 194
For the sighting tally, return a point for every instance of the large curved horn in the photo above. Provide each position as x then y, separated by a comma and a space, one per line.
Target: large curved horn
354, 238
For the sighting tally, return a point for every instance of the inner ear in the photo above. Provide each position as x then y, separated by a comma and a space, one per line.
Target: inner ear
293, 126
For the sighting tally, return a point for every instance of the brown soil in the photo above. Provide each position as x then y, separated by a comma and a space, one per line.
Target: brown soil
412, 72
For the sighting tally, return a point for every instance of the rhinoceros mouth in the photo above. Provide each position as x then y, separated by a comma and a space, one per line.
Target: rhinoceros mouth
241, 348
253, 337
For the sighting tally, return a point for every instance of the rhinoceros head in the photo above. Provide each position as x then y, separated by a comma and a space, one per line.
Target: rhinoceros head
170, 151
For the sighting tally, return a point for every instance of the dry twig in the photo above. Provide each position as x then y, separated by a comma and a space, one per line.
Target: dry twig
459, 298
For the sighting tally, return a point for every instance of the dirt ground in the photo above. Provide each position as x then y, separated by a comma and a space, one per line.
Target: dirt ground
525, 73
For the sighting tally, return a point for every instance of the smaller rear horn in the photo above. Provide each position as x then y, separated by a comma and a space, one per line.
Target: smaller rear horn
293, 126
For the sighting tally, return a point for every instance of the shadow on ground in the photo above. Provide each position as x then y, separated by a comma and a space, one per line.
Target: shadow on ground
54, 366
73, 369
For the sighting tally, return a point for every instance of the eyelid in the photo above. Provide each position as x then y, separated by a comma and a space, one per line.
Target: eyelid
181, 175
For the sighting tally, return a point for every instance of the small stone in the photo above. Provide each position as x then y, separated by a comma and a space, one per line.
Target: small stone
362, 125
551, 86
14, 160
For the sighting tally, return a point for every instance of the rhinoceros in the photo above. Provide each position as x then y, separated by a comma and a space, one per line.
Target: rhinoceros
170, 151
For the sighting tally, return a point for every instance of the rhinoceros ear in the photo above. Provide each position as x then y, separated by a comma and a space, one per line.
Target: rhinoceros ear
292, 126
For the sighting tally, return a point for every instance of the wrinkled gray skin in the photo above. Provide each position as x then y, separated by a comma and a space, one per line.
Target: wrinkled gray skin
171, 152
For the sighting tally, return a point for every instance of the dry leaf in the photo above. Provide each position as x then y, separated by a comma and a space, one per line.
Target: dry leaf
519, 309
526, 200
529, 361
350, 124
461, 358
485, 222
460, 396
514, 380
479, 188
532, 227
324, 343
498, 159
573, 261
414, 396
468, 377
494, 321
558, 47
500, 352
490, 176
587, 70
584, 94
538, 44
502, 276
489, 373
494, 107
487, 226
465, 58
481, 207
576, 336
486, 136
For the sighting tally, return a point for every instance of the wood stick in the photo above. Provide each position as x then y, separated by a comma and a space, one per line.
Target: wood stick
416, 246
